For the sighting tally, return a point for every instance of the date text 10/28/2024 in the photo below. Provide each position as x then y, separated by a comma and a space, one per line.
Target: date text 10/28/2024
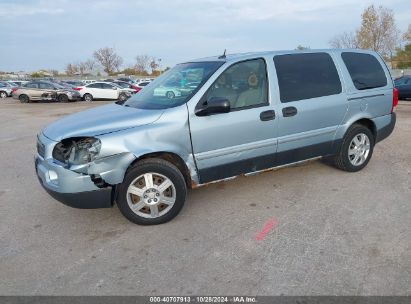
203, 299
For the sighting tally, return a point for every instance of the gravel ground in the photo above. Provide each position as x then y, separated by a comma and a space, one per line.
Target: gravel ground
328, 232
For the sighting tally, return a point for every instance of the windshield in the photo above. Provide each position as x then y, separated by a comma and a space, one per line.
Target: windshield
175, 86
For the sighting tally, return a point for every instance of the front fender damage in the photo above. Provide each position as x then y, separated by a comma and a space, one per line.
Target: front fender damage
107, 171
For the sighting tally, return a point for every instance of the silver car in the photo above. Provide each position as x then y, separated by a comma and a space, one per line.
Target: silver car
6, 89
239, 115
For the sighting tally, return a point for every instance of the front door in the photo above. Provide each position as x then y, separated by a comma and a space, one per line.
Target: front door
243, 140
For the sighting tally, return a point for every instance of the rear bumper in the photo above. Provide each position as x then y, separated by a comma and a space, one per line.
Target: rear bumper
386, 130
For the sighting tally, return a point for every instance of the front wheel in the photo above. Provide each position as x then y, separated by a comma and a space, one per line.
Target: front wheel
122, 97
63, 98
24, 98
88, 97
3, 94
356, 149
153, 192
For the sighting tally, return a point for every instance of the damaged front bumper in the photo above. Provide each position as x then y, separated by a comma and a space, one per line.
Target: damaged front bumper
71, 188
89, 187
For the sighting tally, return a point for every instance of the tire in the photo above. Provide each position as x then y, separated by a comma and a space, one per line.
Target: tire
3, 94
146, 199
122, 97
170, 95
24, 98
345, 159
63, 98
88, 97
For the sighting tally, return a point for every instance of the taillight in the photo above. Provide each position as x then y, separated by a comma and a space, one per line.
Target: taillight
13, 90
394, 99
78, 89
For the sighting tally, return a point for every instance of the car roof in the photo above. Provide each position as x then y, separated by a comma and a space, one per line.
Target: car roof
248, 55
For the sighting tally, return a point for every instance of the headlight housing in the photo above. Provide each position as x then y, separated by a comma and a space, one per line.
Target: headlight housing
77, 150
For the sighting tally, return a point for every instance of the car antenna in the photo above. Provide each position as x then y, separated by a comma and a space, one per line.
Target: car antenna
223, 56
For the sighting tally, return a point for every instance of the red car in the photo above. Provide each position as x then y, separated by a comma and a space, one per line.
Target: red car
126, 85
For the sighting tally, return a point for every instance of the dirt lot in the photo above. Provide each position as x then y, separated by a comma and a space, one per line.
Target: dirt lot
328, 232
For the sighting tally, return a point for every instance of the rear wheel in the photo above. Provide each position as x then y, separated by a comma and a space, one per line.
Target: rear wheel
63, 98
3, 94
88, 97
153, 192
24, 98
356, 149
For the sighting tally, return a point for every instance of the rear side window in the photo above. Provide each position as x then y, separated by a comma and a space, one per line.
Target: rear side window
365, 70
45, 86
95, 86
107, 86
31, 85
305, 76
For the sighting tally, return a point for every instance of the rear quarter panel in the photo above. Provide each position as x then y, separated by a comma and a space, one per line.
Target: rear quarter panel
369, 104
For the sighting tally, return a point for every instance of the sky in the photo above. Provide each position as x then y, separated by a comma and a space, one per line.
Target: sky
48, 34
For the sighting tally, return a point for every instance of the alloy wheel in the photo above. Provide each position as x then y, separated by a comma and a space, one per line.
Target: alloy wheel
359, 149
151, 195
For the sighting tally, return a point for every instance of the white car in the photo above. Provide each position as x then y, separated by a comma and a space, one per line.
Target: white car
102, 90
169, 92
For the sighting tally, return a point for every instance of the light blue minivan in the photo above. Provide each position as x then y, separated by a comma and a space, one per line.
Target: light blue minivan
215, 119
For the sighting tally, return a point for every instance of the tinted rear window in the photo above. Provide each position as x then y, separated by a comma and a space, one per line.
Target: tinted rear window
305, 76
365, 70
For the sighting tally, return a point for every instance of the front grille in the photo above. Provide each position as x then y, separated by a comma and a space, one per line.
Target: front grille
40, 148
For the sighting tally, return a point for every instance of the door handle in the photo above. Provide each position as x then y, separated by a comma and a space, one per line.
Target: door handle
289, 111
267, 115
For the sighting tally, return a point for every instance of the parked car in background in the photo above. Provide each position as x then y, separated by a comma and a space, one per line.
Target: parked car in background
64, 84
403, 84
285, 107
125, 79
45, 90
126, 85
142, 84
167, 91
103, 90
6, 89
74, 83
19, 83
88, 81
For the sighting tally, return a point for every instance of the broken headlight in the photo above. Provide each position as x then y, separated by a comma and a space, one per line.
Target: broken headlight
77, 151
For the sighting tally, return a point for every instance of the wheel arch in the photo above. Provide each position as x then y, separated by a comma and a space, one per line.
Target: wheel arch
171, 157
24, 94
61, 94
88, 94
366, 122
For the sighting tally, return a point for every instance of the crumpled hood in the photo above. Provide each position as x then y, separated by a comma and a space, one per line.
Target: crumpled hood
100, 120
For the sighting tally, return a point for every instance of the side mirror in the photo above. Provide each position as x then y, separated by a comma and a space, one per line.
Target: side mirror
213, 106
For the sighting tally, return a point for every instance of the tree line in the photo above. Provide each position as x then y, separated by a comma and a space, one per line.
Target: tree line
110, 62
379, 32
